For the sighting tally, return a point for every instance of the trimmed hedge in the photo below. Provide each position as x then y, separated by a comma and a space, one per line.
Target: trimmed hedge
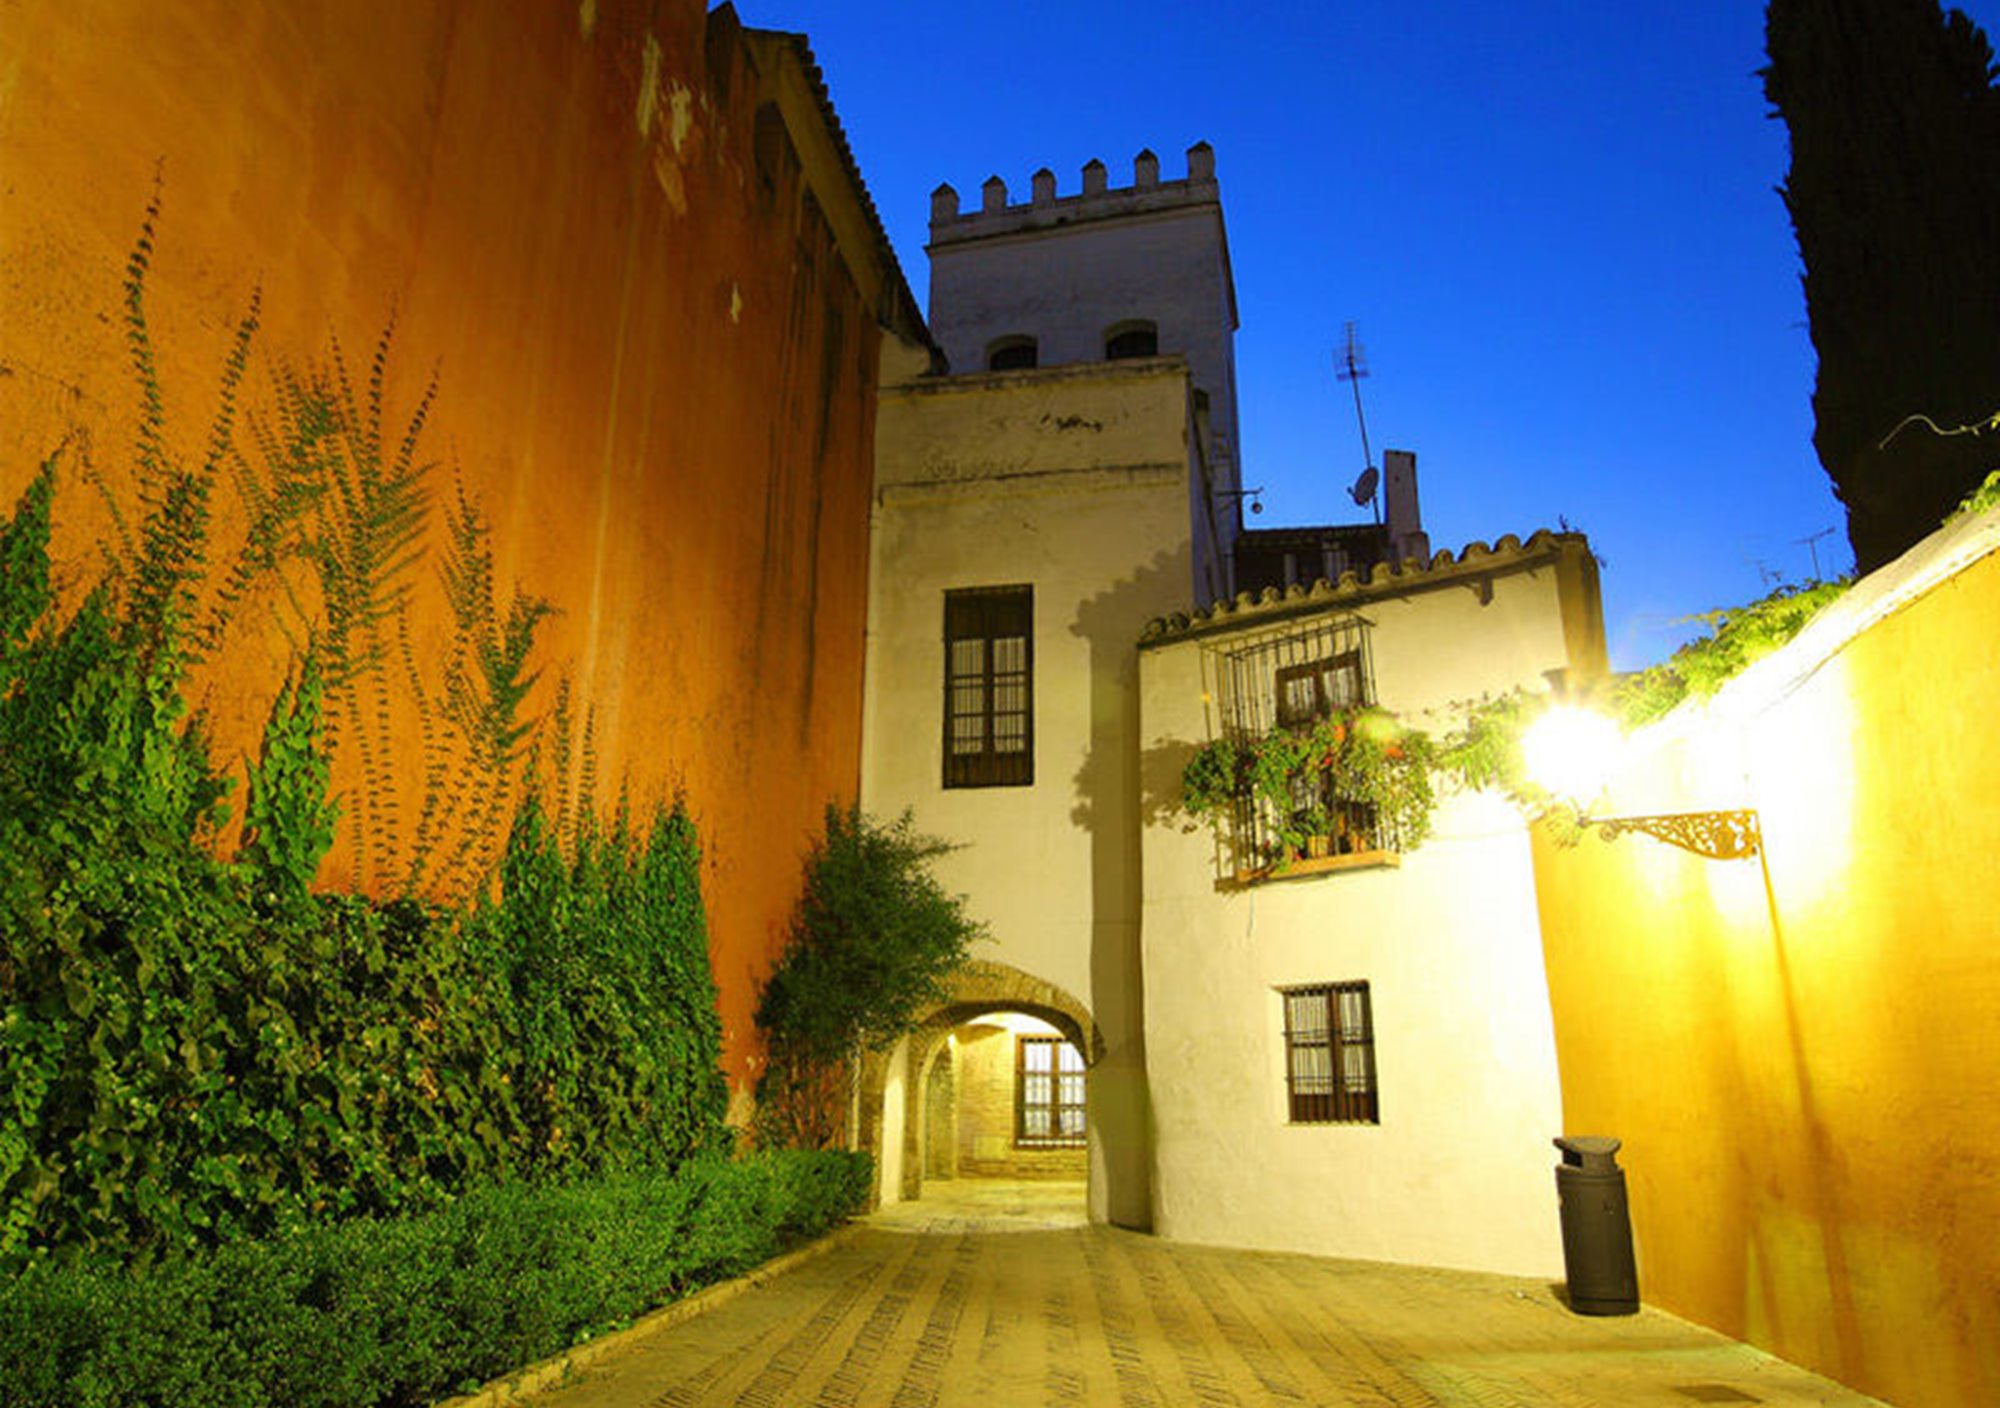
366, 1313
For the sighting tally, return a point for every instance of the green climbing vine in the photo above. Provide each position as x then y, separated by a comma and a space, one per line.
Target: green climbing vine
198, 1045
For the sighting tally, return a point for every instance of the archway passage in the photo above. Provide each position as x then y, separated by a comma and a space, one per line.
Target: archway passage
991, 1084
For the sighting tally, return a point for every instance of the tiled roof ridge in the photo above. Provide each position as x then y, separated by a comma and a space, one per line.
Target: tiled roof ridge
905, 298
1382, 578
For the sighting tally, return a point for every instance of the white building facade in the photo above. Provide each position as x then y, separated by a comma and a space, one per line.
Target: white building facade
1043, 505
1355, 1057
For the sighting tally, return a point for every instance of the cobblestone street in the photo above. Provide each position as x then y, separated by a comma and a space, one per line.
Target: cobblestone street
999, 1294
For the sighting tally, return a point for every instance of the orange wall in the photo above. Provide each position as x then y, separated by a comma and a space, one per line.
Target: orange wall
655, 380
1806, 1080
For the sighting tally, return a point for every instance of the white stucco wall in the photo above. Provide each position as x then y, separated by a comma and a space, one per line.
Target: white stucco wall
1458, 1172
1073, 481
895, 1111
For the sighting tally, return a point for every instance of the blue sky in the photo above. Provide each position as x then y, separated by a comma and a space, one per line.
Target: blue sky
1553, 221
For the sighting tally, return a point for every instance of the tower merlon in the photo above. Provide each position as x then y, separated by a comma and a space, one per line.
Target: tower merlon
1097, 200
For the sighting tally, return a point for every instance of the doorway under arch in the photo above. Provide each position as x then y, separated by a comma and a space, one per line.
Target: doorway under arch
992, 1011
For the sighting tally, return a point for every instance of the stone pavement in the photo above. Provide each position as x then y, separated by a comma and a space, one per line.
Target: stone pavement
998, 1294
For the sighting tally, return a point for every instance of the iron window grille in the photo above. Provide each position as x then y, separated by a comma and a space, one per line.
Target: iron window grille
1330, 1055
1290, 679
989, 671
1049, 1093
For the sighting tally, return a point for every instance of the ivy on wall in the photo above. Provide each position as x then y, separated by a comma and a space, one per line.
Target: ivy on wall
196, 1047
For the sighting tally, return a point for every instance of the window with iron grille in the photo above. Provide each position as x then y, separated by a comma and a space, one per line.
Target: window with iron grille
1317, 689
1289, 679
1330, 1055
989, 717
1049, 1096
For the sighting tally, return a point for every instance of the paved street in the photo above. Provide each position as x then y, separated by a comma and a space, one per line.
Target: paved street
999, 1294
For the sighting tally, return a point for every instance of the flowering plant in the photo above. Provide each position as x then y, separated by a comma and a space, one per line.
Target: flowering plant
1356, 779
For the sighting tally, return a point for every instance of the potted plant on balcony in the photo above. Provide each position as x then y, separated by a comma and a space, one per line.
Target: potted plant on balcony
1351, 782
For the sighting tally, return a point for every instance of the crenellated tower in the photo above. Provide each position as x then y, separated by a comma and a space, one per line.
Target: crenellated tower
1104, 274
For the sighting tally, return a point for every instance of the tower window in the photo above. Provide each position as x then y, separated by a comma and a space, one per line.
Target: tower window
1011, 354
1136, 339
989, 720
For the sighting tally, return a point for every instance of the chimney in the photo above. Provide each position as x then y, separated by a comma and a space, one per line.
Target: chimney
1407, 540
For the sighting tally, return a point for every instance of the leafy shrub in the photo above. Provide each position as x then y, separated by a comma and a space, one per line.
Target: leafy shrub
404, 1311
873, 942
872, 945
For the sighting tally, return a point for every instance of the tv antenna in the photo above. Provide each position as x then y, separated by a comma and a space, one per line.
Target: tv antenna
1350, 365
1811, 544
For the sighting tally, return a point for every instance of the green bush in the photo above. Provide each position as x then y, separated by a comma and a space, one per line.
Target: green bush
873, 943
405, 1311
196, 1048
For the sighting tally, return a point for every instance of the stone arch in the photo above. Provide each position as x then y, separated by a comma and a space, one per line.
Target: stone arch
978, 988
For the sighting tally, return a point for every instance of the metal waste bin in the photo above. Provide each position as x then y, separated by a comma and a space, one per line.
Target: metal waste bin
1596, 1227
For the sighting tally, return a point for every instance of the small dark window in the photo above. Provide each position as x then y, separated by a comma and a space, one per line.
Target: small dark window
1131, 340
1318, 689
1011, 354
1330, 1055
1048, 1087
989, 669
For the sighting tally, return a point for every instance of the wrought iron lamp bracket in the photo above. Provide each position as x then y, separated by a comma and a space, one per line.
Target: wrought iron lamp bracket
1731, 835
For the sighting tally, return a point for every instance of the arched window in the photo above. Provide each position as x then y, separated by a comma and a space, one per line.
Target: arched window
1010, 354
1134, 339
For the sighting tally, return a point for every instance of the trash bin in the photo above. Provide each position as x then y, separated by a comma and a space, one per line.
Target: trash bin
1596, 1227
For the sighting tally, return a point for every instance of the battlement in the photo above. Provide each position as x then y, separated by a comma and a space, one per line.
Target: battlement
1097, 201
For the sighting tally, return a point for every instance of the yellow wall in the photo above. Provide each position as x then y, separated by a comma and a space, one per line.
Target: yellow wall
655, 367
1805, 1077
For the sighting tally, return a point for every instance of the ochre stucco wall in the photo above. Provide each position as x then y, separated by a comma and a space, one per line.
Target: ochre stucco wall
655, 375
1805, 1077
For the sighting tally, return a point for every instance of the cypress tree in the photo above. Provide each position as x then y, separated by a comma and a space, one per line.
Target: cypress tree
1894, 194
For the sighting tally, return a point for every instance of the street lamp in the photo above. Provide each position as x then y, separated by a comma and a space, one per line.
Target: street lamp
1572, 752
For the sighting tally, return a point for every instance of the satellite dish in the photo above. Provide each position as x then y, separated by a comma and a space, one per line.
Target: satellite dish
1364, 487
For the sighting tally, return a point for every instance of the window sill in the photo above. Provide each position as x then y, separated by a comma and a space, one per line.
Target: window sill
1307, 866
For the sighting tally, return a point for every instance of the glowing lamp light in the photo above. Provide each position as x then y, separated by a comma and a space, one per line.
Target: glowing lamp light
1572, 752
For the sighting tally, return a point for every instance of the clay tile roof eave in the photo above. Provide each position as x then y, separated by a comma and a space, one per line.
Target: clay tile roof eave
1248, 609
911, 317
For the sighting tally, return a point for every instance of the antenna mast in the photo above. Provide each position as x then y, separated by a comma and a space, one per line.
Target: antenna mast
1350, 365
